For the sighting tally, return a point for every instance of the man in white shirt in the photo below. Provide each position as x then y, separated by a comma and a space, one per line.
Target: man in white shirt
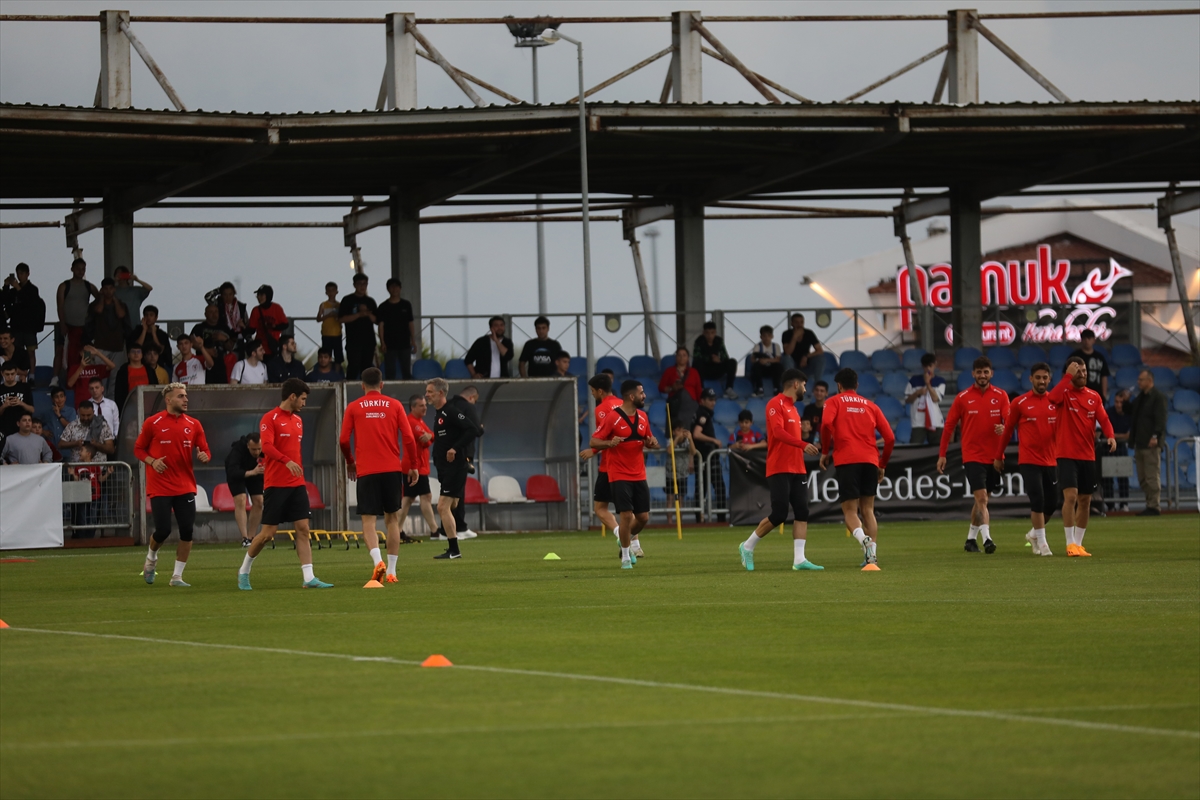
251, 369
923, 394
191, 368
105, 409
490, 355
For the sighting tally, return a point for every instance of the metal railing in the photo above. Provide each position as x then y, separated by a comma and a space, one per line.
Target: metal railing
1178, 493
109, 506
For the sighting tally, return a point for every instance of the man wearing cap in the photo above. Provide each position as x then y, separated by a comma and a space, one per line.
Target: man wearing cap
268, 319
132, 291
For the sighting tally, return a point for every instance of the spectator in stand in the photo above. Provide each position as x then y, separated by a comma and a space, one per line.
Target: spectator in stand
801, 350
131, 290
685, 464
1094, 360
923, 394
326, 370
147, 334
705, 437
357, 313
24, 446
766, 361
537, 356
331, 327
1148, 413
87, 429
397, 336
85, 514
93, 364
747, 437
285, 365
11, 354
190, 368
16, 398
814, 411
562, 365
39, 429
491, 354
108, 323
105, 408
233, 313
268, 320
1122, 423
712, 359
61, 414
25, 311
251, 369
212, 341
156, 374
73, 299
130, 375
681, 384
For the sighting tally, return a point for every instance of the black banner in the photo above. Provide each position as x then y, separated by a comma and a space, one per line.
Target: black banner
911, 488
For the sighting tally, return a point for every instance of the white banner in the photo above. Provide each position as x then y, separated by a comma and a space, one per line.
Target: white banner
30, 506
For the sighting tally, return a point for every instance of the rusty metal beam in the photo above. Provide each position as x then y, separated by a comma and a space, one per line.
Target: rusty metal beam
1025, 66
897, 74
943, 76
446, 66
767, 81
152, 65
735, 62
477, 81
623, 74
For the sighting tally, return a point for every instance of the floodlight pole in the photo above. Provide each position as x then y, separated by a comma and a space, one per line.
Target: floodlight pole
543, 308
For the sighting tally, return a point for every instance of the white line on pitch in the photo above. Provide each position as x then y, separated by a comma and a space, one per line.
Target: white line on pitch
870, 704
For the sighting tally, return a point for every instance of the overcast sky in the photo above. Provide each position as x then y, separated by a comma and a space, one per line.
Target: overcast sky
290, 68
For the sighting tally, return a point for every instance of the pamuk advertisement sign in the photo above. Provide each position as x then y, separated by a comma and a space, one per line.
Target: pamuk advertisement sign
1040, 283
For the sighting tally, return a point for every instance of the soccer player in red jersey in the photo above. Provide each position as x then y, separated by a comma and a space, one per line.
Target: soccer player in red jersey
601, 388
982, 409
848, 426
624, 433
165, 445
1035, 419
1080, 408
377, 424
786, 474
285, 498
419, 491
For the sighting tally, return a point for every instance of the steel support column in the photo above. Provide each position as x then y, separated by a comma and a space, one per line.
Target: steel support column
114, 89
962, 59
687, 85
405, 236
689, 272
400, 74
118, 238
966, 255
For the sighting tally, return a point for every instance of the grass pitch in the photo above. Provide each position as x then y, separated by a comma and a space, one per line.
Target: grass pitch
946, 674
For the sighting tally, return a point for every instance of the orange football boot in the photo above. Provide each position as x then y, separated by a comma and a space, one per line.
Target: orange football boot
392, 579
380, 569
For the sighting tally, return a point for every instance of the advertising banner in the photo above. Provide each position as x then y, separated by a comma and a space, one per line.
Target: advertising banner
31, 506
911, 488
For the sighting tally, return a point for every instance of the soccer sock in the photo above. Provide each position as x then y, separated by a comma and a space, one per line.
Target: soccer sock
986, 530
375, 556
1079, 532
797, 551
308, 572
392, 564
973, 533
179, 565
1040, 533
624, 553
152, 555
453, 545
1070, 532
858, 535
617, 532
750, 543
247, 562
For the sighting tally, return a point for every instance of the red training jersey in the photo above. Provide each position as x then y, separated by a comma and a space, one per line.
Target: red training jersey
281, 433
421, 451
691, 381
1079, 411
785, 445
980, 413
625, 462
848, 426
1035, 419
603, 408
377, 424
171, 438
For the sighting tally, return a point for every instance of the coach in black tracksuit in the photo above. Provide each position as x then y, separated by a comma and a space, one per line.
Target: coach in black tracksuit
455, 430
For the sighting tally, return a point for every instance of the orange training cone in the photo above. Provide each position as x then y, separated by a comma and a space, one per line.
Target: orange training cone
3, 624
372, 584
436, 661
871, 568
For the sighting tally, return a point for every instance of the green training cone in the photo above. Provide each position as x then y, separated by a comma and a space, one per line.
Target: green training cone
551, 557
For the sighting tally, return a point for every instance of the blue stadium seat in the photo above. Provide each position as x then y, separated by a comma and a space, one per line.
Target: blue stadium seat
667, 362
651, 390
1006, 380
868, 384
895, 384
1185, 401
758, 407
743, 387
855, 360
717, 386
903, 430
726, 412
965, 380
1030, 354
885, 361
43, 407
644, 367
1189, 378
456, 370
1126, 355
578, 366
831, 363
893, 409
1059, 354
1164, 378
964, 356
721, 432
1002, 358
1180, 425
657, 411
911, 361
1127, 377
43, 374
424, 369
615, 363
1026, 382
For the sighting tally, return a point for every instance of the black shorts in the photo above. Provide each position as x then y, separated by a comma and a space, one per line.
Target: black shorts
1041, 484
380, 493
603, 493
788, 489
285, 504
418, 489
184, 507
631, 496
240, 484
453, 478
857, 480
982, 476
1074, 473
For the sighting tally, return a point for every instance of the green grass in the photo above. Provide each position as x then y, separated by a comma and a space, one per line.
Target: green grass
1114, 639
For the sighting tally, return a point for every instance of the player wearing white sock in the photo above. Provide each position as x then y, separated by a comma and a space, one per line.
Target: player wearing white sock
420, 491
601, 388
1034, 417
624, 433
